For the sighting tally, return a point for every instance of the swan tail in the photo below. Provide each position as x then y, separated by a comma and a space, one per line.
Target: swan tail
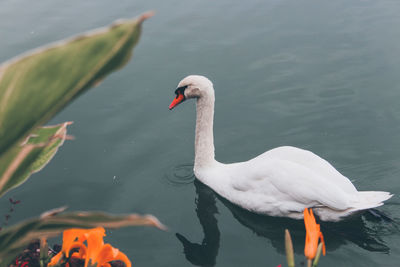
371, 199
366, 200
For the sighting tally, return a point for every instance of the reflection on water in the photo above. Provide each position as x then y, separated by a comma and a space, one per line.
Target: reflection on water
204, 254
358, 230
365, 231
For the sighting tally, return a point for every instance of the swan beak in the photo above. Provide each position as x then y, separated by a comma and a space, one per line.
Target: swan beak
177, 100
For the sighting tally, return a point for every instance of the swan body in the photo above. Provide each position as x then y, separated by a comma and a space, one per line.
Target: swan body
280, 182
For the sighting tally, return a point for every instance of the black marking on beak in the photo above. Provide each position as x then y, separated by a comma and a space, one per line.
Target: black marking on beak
181, 91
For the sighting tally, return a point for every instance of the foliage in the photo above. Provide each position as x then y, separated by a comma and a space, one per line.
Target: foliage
21, 161
14, 239
33, 87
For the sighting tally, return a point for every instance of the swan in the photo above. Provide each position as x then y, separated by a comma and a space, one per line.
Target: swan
281, 182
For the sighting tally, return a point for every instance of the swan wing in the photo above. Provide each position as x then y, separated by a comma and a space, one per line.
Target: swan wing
279, 187
312, 162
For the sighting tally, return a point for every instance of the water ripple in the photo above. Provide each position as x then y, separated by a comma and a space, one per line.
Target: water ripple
181, 174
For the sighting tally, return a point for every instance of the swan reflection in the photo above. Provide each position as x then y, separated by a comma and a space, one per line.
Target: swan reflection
204, 254
364, 231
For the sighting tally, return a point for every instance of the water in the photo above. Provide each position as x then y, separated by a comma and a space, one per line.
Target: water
320, 75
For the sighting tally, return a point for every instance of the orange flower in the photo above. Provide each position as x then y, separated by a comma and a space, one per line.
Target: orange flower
95, 251
70, 238
313, 234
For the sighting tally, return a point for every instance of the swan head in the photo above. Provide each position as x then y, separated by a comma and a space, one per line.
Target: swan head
193, 86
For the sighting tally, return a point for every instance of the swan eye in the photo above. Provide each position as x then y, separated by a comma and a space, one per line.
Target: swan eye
180, 90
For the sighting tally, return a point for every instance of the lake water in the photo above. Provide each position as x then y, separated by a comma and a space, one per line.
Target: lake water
320, 75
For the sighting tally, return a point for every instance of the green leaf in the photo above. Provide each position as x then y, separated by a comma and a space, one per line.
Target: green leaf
289, 249
21, 161
318, 255
14, 239
35, 85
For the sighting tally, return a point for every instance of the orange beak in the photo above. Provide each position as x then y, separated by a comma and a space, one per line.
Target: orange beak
177, 100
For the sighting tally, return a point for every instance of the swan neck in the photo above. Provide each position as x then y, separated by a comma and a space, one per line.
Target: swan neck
204, 141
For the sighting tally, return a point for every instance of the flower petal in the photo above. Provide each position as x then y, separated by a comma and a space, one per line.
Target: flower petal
55, 259
94, 244
122, 257
108, 253
313, 234
323, 244
81, 254
70, 236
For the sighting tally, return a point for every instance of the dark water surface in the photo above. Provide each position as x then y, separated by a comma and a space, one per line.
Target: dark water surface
320, 75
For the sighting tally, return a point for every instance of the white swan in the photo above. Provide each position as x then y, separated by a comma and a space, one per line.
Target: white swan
280, 182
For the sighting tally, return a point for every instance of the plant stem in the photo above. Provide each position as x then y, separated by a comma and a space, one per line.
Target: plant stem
44, 250
318, 255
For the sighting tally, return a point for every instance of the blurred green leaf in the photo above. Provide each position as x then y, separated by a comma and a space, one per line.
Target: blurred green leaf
289, 249
318, 255
35, 85
14, 239
21, 161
